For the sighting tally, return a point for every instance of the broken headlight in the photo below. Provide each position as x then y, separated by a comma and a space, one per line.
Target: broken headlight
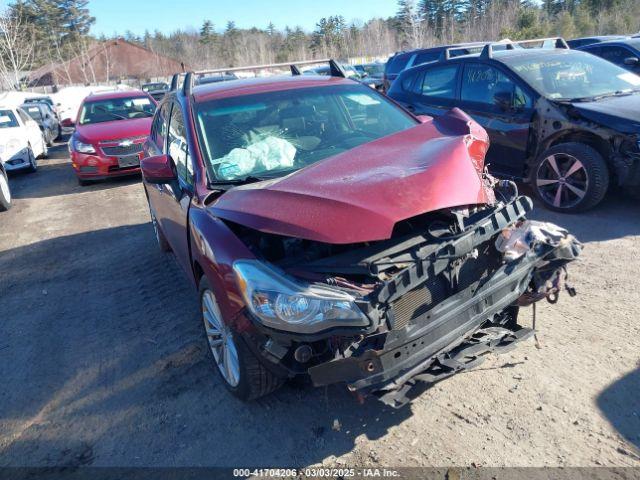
283, 303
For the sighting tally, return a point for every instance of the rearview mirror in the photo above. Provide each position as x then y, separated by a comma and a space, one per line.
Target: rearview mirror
504, 100
158, 169
631, 61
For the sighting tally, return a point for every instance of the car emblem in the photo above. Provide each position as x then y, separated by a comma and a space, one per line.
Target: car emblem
126, 143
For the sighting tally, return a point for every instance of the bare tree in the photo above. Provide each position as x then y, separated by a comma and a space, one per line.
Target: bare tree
16, 49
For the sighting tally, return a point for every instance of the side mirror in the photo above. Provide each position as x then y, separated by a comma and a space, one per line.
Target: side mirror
631, 61
68, 123
504, 100
158, 169
424, 118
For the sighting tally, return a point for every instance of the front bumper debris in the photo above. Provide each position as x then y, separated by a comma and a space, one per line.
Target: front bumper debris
453, 301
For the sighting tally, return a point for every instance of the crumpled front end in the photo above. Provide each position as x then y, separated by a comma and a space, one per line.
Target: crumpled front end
438, 295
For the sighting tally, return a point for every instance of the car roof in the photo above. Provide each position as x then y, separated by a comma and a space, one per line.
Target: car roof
115, 94
251, 86
439, 48
634, 42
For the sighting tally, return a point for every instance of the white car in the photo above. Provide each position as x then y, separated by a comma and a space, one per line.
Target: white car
21, 140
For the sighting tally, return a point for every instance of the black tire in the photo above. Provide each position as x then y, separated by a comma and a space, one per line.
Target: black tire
58, 133
49, 139
255, 380
5, 203
33, 162
579, 191
163, 244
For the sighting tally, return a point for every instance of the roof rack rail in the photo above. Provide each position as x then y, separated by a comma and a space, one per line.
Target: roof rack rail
550, 42
334, 67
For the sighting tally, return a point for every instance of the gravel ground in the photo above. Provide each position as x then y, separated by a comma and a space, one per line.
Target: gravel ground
102, 360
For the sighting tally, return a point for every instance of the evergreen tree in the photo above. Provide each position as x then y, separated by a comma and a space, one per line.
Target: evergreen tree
207, 34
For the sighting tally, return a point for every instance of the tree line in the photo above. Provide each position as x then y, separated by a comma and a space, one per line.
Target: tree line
38, 32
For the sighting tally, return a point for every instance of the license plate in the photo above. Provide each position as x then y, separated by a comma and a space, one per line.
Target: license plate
130, 161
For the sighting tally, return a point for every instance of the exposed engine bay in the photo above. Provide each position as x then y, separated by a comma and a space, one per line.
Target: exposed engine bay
443, 291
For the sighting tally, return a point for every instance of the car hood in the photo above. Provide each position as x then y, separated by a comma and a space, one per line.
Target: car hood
359, 195
619, 113
97, 132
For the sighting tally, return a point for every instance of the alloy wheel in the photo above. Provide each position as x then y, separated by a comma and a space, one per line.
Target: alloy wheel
220, 339
4, 188
562, 180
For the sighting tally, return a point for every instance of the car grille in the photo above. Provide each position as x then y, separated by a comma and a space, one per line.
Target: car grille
416, 303
119, 150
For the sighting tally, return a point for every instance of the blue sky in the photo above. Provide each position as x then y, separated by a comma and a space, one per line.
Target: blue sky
168, 15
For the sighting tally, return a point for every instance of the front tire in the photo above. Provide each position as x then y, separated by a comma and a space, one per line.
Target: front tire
241, 372
5, 192
570, 177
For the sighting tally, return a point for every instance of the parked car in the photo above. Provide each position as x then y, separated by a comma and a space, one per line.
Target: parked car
400, 61
46, 99
46, 120
583, 41
157, 90
5, 191
560, 119
109, 132
332, 234
21, 141
625, 53
372, 73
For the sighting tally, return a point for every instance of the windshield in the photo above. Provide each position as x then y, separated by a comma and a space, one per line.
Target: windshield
7, 119
113, 109
576, 75
34, 112
270, 134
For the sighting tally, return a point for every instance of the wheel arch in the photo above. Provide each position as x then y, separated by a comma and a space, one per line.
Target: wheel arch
580, 136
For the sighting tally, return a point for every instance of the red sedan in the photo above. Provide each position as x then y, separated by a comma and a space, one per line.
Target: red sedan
332, 234
109, 133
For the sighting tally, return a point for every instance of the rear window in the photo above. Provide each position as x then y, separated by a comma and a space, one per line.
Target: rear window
396, 64
34, 112
426, 57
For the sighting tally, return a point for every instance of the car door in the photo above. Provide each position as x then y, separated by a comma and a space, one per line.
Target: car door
503, 105
433, 91
174, 198
33, 133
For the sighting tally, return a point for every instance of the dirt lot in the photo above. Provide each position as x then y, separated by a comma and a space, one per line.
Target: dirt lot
102, 362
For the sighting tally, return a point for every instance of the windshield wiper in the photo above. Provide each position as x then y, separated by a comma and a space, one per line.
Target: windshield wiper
228, 184
595, 98
115, 115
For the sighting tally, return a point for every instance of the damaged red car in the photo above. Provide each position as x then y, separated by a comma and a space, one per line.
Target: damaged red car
332, 234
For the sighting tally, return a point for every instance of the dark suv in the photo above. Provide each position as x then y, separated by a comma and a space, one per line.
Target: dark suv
406, 59
563, 120
623, 52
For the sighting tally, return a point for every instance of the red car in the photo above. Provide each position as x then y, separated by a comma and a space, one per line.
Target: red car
332, 234
109, 133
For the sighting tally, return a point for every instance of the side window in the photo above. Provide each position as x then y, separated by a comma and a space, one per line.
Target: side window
439, 82
159, 127
407, 81
178, 148
615, 54
480, 84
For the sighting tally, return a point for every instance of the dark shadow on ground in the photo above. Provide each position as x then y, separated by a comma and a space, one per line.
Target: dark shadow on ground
101, 351
56, 177
620, 404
